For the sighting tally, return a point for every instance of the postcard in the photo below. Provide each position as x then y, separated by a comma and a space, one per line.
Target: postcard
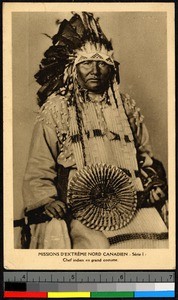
89, 136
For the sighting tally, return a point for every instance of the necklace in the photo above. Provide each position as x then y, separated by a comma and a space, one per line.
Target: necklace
97, 97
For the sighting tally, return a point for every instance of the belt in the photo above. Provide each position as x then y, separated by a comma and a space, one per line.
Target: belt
133, 236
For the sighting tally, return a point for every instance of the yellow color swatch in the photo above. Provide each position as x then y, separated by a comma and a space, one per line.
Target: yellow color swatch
68, 294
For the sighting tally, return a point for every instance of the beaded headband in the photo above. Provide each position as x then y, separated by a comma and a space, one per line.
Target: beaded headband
94, 52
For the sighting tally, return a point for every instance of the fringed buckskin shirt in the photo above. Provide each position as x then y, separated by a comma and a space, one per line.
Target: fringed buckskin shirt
51, 148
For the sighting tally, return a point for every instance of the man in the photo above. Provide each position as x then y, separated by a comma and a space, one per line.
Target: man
86, 128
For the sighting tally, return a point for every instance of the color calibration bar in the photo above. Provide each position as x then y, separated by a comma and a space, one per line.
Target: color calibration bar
49, 295
109, 290
83, 285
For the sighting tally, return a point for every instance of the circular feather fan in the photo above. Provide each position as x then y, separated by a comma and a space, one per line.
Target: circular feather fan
102, 197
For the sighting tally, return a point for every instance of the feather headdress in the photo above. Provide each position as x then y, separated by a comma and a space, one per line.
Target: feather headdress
81, 38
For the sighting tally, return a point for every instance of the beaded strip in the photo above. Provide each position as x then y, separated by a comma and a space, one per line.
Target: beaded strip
133, 236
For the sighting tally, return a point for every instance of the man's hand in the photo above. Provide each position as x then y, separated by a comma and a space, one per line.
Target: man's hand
56, 209
156, 194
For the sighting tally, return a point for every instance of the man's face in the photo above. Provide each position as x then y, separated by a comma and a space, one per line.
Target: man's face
94, 75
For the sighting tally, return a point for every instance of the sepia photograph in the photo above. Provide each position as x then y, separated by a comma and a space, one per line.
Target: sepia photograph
89, 134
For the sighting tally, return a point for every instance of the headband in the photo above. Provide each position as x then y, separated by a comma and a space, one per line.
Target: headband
94, 52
